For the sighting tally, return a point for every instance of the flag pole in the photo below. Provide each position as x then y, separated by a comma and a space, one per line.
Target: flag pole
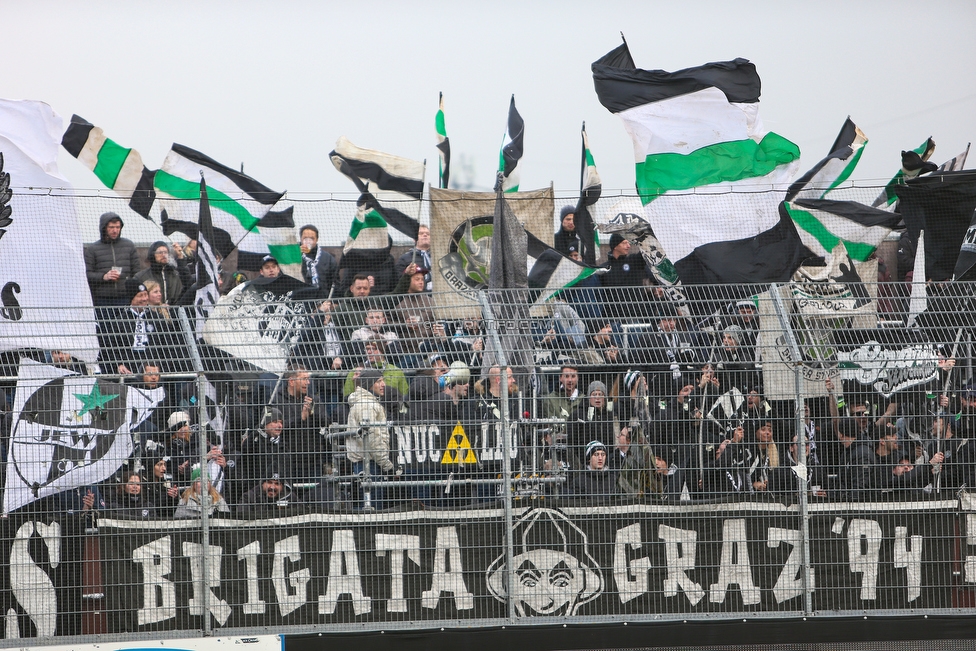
582, 158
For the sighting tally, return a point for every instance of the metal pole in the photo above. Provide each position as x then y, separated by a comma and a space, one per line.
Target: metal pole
801, 446
201, 382
502, 361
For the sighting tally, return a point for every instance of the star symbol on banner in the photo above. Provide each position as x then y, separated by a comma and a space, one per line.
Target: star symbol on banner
94, 400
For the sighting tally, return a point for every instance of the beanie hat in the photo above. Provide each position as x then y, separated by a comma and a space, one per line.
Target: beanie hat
596, 385
735, 332
592, 447
630, 378
567, 210
195, 474
368, 377
615, 239
271, 415
177, 419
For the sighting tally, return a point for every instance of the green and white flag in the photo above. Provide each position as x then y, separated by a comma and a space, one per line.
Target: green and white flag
709, 175
510, 156
550, 272
241, 206
590, 190
822, 224
392, 186
117, 167
443, 146
368, 229
835, 168
913, 163
241, 210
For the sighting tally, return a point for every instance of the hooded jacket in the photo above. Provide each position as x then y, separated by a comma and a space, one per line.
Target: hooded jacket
166, 275
372, 443
104, 254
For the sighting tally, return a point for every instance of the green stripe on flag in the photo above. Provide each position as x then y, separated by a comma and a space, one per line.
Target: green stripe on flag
183, 189
844, 175
439, 124
111, 158
286, 253
724, 162
372, 219
859, 251
589, 159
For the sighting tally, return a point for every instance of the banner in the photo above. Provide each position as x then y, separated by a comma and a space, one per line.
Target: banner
46, 302
889, 366
578, 561
68, 431
461, 230
820, 302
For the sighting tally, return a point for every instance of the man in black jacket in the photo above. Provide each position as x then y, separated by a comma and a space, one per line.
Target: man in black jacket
627, 272
419, 254
109, 262
319, 268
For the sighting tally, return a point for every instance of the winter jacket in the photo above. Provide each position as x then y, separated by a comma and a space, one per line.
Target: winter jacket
422, 258
320, 270
372, 442
104, 254
166, 275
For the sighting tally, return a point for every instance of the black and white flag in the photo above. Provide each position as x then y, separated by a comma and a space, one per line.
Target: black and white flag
68, 431
259, 322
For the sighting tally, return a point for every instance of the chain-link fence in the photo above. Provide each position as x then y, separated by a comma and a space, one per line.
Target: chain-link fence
406, 448
336, 464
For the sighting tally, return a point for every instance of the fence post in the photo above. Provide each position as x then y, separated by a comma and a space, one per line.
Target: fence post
489, 318
201, 382
801, 447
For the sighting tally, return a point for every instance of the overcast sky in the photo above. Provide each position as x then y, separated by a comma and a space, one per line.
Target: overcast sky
272, 85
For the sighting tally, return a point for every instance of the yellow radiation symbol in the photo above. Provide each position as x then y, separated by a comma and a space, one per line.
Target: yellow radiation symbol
458, 448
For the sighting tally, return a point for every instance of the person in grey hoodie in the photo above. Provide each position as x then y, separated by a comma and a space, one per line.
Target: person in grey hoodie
111, 261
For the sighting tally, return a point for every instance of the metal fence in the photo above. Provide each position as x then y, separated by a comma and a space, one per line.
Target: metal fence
349, 464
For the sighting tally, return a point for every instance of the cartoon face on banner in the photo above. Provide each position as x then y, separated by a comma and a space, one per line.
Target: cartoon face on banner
554, 571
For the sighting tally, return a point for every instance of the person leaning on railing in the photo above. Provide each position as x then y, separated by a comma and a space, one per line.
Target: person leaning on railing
593, 419
192, 503
131, 500
595, 481
369, 440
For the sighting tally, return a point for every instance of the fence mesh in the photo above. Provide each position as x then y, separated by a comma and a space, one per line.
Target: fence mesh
313, 462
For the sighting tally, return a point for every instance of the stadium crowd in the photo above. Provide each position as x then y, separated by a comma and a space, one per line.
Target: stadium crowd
383, 405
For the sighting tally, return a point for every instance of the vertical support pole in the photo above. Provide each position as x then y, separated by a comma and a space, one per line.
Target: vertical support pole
801, 445
201, 384
489, 318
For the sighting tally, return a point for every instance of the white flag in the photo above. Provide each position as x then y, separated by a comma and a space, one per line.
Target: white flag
44, 293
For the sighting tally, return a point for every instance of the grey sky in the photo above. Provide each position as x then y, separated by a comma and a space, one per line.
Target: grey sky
273, 85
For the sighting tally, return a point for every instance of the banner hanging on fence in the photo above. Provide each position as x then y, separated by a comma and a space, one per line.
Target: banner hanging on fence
611, 560
820, 302
69, 431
